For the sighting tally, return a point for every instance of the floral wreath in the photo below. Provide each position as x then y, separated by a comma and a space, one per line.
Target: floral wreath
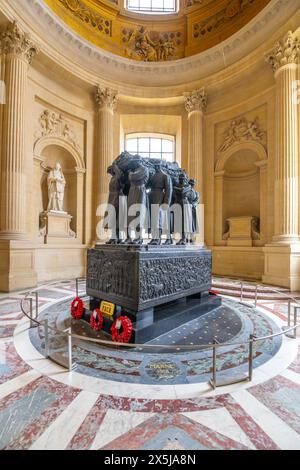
96, 320
77, 308
121, 329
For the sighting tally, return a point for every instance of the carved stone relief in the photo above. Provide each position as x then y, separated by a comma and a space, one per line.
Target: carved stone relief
240, 129
88, 16
150, 46
286, 51
230, 11
51, 123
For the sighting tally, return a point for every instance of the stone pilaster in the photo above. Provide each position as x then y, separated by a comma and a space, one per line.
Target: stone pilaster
195, 105
282, 257
17, 51
106, 100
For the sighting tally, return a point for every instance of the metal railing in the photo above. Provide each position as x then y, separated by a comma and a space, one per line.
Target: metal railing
290, 331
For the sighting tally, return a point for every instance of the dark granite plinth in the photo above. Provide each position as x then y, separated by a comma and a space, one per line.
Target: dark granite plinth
157, 287
142, 277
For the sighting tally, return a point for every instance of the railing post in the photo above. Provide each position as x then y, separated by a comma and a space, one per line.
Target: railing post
70, 362
46, 338
255, 298
242, 286
36, 304
251, 339
213, 381
30, 311
295, 321
289, 313
77, 287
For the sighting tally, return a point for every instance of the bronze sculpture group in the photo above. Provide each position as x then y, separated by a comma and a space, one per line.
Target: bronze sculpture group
152, 189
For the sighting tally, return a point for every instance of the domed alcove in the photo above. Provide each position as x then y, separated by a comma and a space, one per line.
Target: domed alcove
52, 150
240, 187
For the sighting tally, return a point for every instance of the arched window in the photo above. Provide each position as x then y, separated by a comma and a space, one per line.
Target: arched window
151, 6
151, 146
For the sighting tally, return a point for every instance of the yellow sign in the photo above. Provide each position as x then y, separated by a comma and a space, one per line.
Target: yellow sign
107, 308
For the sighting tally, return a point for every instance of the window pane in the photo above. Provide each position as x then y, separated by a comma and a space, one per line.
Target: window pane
157, 4
144, 154
167, 145
145, 4
131, 145
155, 145
143, 145
133, 3
168, 156
169, 4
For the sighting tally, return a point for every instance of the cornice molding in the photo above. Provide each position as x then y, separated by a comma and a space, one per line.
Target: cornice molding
94, 65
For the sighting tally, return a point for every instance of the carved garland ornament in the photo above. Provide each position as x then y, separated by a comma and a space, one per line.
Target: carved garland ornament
88, 16
230, 11
241, 129
14, 41
53, 124
286, 51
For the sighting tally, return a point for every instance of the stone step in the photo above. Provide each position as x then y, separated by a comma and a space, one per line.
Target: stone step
175, 316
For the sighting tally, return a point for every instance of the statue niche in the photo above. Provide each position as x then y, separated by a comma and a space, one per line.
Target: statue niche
55, 221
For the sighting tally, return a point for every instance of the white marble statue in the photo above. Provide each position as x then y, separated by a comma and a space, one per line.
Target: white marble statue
56, 189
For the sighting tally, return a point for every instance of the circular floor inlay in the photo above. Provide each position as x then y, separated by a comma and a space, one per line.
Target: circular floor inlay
178, 364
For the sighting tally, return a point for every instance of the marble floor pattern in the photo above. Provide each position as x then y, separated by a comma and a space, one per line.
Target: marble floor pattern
37, 411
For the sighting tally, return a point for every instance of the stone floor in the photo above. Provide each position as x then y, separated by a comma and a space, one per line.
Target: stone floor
43, 406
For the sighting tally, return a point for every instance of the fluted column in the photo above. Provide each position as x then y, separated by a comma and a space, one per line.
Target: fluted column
17, 52
106, 100
195, 105
284, 59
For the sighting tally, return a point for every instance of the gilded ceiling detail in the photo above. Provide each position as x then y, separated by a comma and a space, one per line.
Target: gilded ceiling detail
199, 25
87, 15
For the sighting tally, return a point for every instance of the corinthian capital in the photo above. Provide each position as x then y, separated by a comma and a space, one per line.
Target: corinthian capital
105, 97
195, 100
285, 51
14, 41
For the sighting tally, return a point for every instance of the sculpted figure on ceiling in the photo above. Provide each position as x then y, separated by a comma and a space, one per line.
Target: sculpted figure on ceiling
141, 46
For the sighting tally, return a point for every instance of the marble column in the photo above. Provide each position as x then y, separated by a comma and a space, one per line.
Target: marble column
195, 105
17, 50
282, 257
284, 60
106, 101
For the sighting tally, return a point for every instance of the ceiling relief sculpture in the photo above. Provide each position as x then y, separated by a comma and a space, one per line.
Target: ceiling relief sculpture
87, 15
197, 26
240, 129
151, 46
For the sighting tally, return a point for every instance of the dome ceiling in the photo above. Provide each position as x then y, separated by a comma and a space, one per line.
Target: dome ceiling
196, 26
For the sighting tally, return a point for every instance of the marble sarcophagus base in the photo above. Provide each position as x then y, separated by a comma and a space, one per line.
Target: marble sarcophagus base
152, 284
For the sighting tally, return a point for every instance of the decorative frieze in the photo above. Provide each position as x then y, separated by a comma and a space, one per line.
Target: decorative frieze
285, 51
88, 16
54, 124
150, 46
229, 12
240, 129
195, 100
14, 41
105, 97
